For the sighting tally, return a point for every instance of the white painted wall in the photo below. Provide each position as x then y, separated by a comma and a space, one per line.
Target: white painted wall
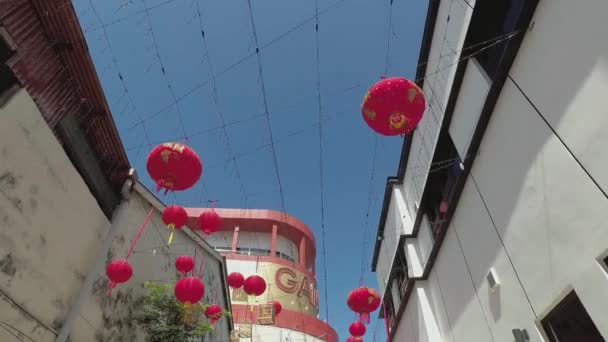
418, 249
264, 333
472, 96
529, 211
397, 218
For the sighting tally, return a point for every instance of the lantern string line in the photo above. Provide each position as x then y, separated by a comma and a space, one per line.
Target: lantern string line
120, 76
242, 60
321, 162
266, 108
216, 101
141, 229
163, 71
388, 37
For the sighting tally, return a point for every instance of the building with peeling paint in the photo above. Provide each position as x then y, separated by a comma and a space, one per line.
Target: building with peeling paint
69, 201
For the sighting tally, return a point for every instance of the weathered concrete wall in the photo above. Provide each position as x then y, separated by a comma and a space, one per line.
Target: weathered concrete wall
51, 229
50, 224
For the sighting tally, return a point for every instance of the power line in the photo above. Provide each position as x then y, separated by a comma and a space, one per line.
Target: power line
217, 105
266, 110
321, 165
122, 81
162, 68
388, 36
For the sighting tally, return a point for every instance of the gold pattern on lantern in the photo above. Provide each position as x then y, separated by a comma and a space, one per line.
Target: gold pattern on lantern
411, 94
164, 155
370, 114
397, 120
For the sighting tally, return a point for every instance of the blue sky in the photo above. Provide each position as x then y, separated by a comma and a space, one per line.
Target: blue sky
126, 41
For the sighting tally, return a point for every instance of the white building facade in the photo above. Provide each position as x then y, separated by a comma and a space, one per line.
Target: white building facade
494, 228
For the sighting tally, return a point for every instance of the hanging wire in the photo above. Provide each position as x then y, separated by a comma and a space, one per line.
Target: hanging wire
266, 109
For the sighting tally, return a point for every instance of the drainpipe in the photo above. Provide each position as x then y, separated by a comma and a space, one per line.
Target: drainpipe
119, 217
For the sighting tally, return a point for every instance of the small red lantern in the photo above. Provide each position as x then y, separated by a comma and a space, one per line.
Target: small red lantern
174, 217
213, 313
254, 285
354, 339
209, 222
118, 271
235, 280
277, 307
174, 166
393, 106
357, 329
184, 264
363, 301
189, 290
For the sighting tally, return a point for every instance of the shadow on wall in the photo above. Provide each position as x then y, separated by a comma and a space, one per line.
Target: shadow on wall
528, 186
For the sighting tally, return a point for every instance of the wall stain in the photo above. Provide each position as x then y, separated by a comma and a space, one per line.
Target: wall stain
8, 183
43, 239
7, 265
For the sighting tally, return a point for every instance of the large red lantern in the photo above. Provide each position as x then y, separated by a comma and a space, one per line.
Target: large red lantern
184, 264
393, 106
254, 285
189, 290
357, 329
213, 313
209, 222
118, 271
174, 217
235, 280
174, 166
277, 307
363, 301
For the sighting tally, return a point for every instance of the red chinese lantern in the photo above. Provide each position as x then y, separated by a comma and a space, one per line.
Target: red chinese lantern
254, 285
277, 307
235, 280
354, 339
184, 264
189, 290
174, 217
393, 106
357, 329
209, 222
118, 271
174, 166
363, 301
213, 313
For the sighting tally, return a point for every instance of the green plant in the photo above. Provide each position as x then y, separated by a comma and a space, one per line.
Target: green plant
161, 316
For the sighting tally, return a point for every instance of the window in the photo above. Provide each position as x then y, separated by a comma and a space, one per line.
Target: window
442, 178
400, 270
7, 78
570, 322
493, 21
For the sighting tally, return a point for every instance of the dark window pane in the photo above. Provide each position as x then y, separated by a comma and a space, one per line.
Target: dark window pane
570, 322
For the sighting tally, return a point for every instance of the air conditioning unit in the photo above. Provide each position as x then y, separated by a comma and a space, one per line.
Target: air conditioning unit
493, 281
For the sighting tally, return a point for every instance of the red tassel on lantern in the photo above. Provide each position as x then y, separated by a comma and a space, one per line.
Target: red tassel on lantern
174, 166
174, 217
363, 301
235, 280
209, 222
184, 264
213, 313
393, 106
357, 329
118, 271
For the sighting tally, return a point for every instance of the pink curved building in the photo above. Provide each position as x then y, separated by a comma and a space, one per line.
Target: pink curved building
282, 250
